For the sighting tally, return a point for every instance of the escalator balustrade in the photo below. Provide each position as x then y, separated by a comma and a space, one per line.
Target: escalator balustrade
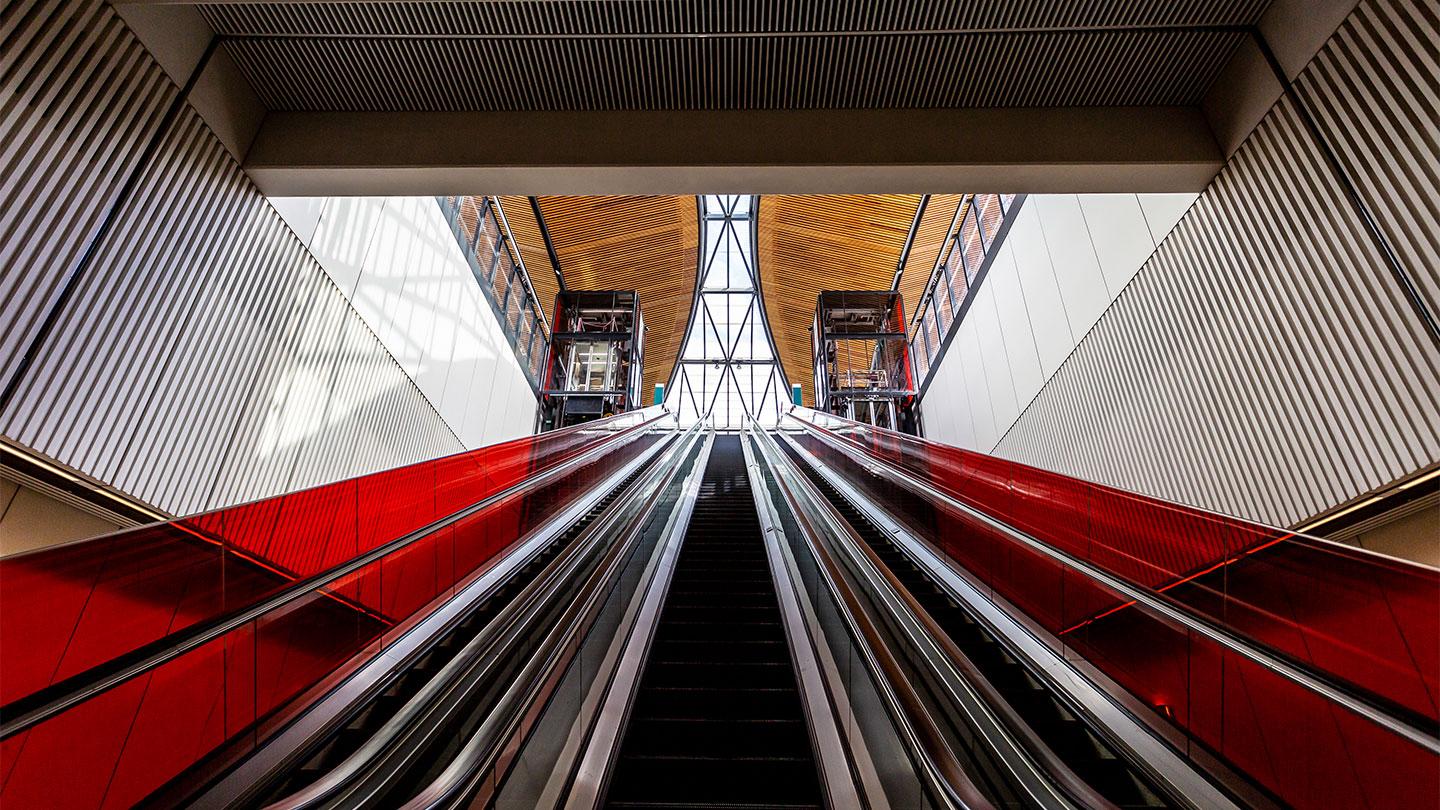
1090, 756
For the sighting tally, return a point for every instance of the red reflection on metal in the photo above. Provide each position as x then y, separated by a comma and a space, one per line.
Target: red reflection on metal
1367, 620
1177, 583
71, 608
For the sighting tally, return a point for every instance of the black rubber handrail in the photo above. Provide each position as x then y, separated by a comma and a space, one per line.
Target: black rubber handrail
947, 777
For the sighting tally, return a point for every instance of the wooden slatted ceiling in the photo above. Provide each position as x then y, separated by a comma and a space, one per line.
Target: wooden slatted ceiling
810, 243
526, 231
925, 248
647, 244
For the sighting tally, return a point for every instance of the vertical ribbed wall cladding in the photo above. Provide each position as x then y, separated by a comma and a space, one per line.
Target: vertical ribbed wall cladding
205, 357
1265, 362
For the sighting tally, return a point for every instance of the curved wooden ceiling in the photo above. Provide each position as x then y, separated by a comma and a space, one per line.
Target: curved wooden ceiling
810, 243
648, 244
805, 244
935, 224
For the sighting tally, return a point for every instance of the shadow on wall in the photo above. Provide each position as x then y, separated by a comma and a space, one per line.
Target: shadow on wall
396, 261
31, 519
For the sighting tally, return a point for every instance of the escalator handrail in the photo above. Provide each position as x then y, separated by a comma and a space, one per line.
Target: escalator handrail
947, 777
830, 731
1182, 784
1055, 770
798, 413
55, 699
1372, 707
492, 736
586, 772
491, 644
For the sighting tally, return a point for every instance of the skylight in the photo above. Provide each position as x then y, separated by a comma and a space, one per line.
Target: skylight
727, 371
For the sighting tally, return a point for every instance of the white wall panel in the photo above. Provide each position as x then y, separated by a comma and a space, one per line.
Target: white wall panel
976, 387
303, 214
996, 361
522, 417
1120, 236
480, 399
343, 236
949, 424
1264, 361
1163, 212
410, 282
964, 420
1023, 358
383, 280
1072, 255
1051, 326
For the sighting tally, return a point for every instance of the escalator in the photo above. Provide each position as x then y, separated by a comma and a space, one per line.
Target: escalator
717, 720
646, 570
313, 616
1089, 755
407, 680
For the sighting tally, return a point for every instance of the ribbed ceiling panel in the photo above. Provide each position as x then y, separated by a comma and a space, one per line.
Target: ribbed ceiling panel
726, 54
632, 17
819, 72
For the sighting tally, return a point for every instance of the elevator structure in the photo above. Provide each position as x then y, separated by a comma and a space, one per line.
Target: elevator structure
862, 359
596, 357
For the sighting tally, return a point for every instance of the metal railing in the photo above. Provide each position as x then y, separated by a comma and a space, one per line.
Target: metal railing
979, 227
480, 228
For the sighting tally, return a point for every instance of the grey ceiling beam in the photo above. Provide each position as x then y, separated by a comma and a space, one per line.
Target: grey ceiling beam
1030, 150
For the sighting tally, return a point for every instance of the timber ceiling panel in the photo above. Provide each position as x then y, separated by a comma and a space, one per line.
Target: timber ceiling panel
810, 243
526, 230
930, 236
647, 244
730, 54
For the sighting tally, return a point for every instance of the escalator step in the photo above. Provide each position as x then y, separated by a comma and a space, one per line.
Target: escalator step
697, 701
671, 781
770, 738
717, 720
739, 651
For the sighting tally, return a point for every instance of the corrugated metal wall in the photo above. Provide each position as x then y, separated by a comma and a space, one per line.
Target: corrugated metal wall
205, 357
1264, 362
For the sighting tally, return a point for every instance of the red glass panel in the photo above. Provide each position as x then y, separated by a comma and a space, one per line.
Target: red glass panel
67, 609
68, 760
1358, 617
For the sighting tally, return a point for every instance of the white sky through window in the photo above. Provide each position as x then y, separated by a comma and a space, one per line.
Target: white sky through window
727, 371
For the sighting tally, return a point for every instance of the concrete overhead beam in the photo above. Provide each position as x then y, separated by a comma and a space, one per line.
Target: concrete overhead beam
1093, 149
1247, 88
270, 2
